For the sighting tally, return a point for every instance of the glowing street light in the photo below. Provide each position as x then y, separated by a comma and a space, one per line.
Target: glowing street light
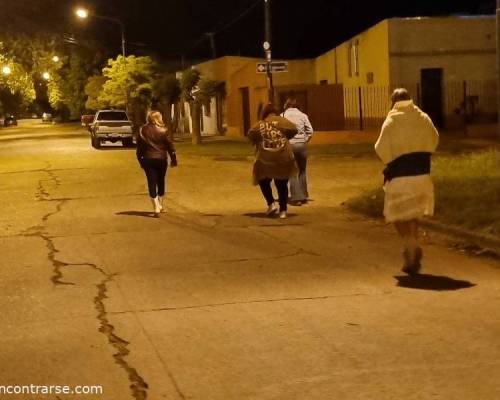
55, 59
46, 76
6, 70
82, 13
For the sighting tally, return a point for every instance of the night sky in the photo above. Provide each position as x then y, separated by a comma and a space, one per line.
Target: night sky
170, 28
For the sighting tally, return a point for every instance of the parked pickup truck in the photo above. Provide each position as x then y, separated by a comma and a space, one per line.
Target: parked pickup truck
112, 126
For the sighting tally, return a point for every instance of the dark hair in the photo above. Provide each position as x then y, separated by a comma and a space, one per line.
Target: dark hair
267, 110
399, 94
290, 103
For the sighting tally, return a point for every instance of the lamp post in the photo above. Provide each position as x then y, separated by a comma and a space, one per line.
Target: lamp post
267, 50
83, 13
498, 68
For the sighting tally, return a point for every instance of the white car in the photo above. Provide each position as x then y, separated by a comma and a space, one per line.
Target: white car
46, 117
112, 126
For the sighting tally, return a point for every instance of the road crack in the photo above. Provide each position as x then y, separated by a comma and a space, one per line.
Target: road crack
243, 303
137, 384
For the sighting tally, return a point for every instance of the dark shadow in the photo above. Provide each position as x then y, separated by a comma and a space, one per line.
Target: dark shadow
303, 203
230, 159
145, 214
262, 215
432, 282
116, 147
44, 137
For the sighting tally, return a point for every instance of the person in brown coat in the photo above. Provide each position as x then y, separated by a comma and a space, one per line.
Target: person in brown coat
153, 145
274, 157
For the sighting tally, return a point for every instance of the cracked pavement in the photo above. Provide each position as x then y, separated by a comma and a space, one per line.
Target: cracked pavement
214, 302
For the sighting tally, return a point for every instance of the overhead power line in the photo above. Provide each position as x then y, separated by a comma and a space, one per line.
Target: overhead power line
222, 28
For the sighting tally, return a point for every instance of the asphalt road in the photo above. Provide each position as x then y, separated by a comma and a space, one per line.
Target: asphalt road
212, 301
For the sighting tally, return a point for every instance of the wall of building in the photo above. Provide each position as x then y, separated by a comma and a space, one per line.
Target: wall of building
241, 72
391, 53
465, 49
371, 102
373, 58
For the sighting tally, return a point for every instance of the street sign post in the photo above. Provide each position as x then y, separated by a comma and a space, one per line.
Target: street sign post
276, 66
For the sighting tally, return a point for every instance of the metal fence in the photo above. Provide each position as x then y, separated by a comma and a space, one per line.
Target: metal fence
461, 103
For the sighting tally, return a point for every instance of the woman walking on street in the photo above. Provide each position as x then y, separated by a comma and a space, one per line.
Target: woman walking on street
153, 145
406, 142
274, 157
298, 184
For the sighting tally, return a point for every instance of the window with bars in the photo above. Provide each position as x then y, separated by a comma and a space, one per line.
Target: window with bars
353, 58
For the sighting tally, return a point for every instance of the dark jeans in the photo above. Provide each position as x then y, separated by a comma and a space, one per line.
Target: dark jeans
298, 184
155, 169
267, 191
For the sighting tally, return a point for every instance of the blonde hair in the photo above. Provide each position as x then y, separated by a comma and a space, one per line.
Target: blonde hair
155, 118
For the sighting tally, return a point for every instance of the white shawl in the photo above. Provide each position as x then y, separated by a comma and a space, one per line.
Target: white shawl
407, 129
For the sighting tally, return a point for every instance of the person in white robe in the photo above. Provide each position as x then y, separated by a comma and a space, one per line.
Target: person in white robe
406, 142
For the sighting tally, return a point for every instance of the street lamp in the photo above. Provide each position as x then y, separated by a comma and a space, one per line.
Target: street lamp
55, 59
83, 13
6, 70
46, 76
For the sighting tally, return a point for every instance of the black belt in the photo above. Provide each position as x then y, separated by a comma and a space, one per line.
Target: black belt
411, 164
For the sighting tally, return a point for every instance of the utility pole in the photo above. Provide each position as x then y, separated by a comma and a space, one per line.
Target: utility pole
267, 50
211, 37
124, 45
498, 69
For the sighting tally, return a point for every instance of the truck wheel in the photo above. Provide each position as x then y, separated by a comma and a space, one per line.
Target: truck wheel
127, 143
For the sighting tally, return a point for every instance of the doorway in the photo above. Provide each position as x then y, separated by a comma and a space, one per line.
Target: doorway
432, 94
245, 104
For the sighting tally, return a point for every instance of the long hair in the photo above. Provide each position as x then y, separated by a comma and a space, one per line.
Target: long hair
155, 118
268, 110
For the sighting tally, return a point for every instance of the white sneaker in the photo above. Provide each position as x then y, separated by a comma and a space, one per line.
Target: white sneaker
271, 209
160, 202
156, 206
282, 214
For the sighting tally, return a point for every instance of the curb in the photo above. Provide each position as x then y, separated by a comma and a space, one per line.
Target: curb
487, 242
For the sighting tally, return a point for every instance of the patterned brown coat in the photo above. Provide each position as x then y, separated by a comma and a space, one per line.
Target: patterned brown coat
274, 156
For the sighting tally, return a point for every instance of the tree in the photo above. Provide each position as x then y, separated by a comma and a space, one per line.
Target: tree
198, 91
167, 92
64, 92
17, 87
93, 90
189, 82
129, 84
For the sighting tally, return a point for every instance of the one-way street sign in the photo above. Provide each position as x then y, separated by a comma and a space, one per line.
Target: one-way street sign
276, 66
